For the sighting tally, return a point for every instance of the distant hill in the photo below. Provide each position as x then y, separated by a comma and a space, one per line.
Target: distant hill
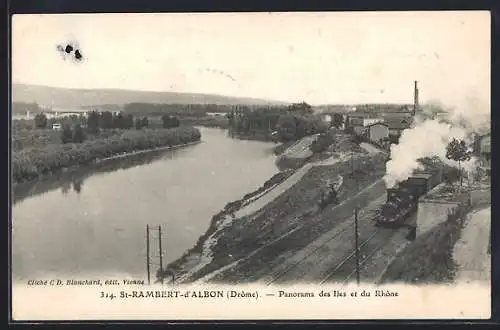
370, 107
82, 98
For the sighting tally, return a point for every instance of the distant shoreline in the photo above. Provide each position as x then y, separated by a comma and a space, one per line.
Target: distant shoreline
133, 153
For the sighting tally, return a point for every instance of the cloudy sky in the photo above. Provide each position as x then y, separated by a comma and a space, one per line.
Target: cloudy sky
316, 57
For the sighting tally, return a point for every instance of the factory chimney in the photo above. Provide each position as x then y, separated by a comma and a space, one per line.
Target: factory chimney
415, 99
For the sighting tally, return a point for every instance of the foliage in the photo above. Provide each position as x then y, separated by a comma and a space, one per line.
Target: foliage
170, 121
78, 134
40, 120
22, 124
451, 175
322, 143
106, 120
28, 164
337, 120
66, 134
38, 138
287, 127
93, 122
190, 110
301, 108
293, 127
457, 150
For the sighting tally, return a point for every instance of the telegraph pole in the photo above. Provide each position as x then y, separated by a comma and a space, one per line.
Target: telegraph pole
147, 254
161, 257
356, 236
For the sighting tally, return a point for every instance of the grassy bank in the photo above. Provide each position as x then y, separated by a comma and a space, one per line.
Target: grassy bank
297, 205
230, 208
294, 208
31, 163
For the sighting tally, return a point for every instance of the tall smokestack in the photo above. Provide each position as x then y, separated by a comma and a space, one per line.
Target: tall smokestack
415, 99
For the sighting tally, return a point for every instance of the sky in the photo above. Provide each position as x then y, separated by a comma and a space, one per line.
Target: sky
320, 58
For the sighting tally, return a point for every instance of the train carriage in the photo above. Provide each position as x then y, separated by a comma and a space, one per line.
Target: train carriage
402, 201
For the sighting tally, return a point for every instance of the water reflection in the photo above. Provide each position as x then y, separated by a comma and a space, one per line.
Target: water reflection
93, 220
74, 179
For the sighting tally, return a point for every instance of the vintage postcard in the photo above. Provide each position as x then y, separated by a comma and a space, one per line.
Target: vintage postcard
229, 166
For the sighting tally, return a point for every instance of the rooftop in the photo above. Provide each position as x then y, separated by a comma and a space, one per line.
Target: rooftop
398, 122
421, 175
378, 123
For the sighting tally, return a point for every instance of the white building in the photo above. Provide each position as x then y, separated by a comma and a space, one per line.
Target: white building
377, 132
216, 114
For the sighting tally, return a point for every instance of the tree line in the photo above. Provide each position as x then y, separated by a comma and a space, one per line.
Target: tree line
30, 163
104, 120
288, 123
189, 110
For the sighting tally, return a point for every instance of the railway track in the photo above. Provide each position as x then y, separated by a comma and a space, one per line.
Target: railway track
297, 263
348, 226
343, 266
364, 193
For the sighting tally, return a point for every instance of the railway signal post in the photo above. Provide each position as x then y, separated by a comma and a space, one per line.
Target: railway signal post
161, 254
147, 254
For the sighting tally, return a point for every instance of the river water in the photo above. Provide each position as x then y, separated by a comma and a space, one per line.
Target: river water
93, 223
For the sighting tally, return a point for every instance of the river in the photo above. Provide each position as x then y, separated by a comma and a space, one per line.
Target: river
93, 223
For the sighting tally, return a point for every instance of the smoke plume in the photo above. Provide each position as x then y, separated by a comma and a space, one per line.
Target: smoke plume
433, 128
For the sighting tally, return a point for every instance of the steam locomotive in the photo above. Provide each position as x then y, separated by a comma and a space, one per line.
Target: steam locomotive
402, 200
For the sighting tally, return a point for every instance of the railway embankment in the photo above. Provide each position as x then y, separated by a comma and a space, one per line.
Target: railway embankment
429, 259
246, 239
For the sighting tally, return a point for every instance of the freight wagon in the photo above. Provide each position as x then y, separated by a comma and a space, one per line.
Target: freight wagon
402, 201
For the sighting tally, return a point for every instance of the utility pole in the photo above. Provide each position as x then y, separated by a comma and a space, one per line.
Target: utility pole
161, 257
356, 235
147, 254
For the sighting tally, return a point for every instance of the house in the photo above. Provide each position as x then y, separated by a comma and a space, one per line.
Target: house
482, 150
362, 119
64, 114
56, 127
377, 132
216, 114
327, 118
398, 124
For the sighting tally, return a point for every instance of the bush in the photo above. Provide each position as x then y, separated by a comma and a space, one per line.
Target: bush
451, 175
322, 143
40, 121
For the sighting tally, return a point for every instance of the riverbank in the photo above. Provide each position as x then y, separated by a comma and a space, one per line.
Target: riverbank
200, 253
207, 121
78, 173
32, 163
275, 216
134, 153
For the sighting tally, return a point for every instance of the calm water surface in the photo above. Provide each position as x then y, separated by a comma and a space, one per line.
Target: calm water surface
94, 224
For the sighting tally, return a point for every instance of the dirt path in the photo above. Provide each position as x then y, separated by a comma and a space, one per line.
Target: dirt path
471, 250
301, 148
278, 190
